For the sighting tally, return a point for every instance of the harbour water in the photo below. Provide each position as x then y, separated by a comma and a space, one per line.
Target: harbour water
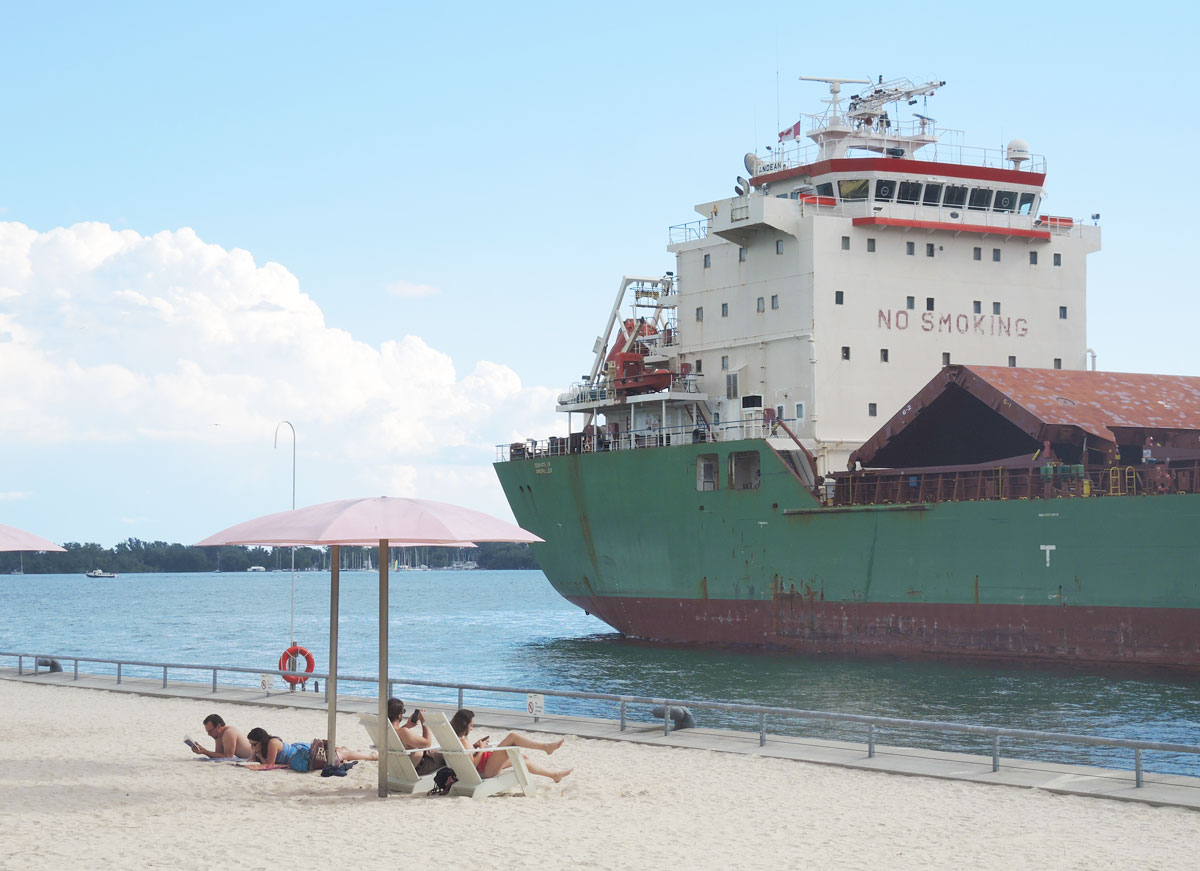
510, 628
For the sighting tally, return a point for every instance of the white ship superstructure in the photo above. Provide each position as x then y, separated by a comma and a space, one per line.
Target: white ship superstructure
837, 280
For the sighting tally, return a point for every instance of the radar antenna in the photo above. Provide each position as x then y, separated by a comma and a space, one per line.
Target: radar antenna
835, 90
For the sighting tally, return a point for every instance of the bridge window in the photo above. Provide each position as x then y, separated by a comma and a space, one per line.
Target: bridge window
981, 198
908, 192
885, 189
956, 195
853, 188
744, 471
1006, 201
1026, 205
706, 472
825, 189
933, 194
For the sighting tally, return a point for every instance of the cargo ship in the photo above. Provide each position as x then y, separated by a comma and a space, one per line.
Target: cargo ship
731, 474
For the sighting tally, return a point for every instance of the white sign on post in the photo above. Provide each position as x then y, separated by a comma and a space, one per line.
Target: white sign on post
267, 682
535, 703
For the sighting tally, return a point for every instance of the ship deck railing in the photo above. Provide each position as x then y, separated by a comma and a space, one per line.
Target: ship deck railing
793, 153
647, 437
1038, 481
628, 707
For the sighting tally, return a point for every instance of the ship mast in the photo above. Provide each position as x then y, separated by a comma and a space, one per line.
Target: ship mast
866, 123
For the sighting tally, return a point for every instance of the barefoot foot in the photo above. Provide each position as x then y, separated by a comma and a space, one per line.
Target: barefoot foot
554, 745
559, 775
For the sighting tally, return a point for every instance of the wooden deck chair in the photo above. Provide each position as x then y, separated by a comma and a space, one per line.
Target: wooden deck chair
470, 782
401, 773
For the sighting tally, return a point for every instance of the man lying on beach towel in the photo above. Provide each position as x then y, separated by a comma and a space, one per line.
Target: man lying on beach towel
230, 742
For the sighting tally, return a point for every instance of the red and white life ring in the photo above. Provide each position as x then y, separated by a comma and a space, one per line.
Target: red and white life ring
296, 650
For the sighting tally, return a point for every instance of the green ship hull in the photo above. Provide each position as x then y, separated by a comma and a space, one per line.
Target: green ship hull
632, 537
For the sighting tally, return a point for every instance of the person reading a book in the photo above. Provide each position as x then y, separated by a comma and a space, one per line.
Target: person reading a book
231, 742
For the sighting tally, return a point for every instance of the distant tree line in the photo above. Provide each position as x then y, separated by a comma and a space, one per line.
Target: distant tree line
134, 555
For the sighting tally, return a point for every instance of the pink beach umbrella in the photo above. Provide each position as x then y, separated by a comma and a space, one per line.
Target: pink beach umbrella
382, 521
13, 539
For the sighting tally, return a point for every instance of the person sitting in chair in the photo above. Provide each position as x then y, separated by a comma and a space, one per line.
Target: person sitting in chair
489, 763
426, 761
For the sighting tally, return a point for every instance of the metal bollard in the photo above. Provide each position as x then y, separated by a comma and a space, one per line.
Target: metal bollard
762, 730
1137, 768
995, 753
164, 677
871, 741
622, 716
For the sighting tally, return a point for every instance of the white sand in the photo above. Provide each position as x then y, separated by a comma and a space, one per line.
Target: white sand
92, 779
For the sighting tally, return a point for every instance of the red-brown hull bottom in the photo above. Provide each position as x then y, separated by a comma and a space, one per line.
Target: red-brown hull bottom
1009, 632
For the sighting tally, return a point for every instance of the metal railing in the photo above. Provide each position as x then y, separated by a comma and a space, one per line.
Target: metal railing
872, 723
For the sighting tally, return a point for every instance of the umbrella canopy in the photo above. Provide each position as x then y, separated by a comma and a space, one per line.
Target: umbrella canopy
12, 539
369, 521
382, 521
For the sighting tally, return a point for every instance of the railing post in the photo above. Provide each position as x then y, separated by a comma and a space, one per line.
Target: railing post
391, 689
118, 672
20, 666
762, 729
1137, 768
164, 677
214, 680
460, 698
871, 741
995, 753
666, 718
622, 716
77, 669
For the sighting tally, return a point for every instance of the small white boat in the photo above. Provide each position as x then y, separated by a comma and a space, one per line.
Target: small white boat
97, 573
257, 569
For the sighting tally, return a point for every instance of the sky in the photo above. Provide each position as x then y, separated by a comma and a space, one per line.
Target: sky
401, 228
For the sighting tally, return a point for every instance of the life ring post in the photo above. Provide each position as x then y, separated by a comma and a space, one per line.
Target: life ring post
287, 663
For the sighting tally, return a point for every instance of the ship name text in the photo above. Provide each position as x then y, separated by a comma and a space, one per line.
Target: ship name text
932, 322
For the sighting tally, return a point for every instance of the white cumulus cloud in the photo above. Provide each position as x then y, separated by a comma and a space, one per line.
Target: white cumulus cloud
408, 290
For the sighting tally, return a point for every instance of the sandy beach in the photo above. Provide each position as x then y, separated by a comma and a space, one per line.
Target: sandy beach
92, 779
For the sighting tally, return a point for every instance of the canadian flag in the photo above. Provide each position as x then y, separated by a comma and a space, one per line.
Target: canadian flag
792, 132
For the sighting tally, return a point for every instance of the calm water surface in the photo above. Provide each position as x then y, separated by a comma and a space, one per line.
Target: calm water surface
511, 628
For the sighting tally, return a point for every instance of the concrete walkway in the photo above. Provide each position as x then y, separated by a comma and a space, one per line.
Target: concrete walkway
1158, 789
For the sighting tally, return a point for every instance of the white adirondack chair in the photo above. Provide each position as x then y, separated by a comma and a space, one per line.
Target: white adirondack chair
401, 773
470, 782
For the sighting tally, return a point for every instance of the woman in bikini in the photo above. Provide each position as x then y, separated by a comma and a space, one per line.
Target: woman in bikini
489, 763
271, 751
